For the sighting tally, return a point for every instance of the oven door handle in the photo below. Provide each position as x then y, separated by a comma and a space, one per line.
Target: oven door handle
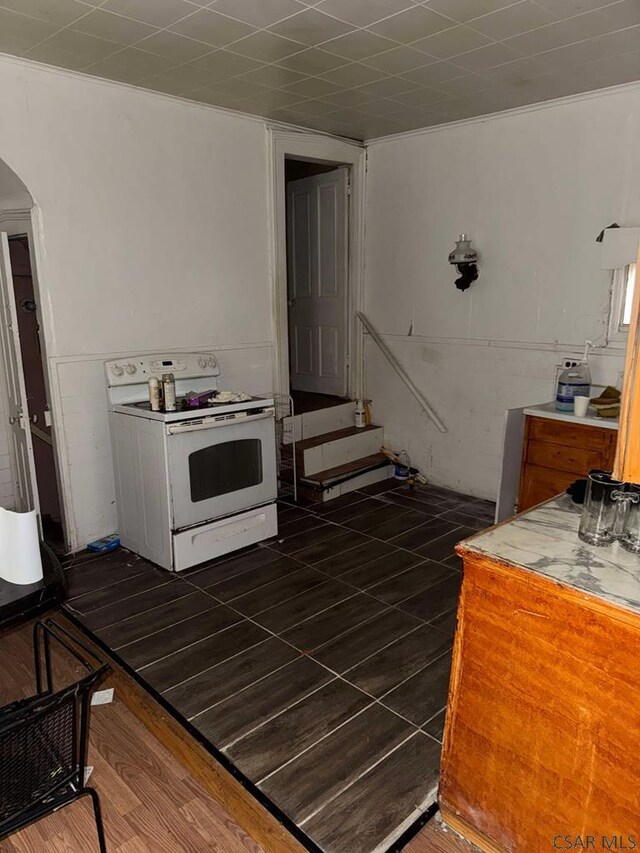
190, 427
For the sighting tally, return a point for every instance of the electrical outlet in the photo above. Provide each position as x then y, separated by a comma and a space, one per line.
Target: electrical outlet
568, 361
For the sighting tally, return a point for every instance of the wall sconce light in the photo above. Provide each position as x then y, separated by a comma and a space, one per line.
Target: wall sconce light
465, 259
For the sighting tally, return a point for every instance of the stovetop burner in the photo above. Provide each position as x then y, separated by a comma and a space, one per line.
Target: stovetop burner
142, 409
183, 406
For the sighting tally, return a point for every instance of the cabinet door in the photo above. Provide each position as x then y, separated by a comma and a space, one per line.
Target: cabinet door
512, 774
540, 484
556, 453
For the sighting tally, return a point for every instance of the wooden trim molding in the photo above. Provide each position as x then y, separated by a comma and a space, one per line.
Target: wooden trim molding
241, 805
308, 146
627, 464
470, 833
17, 222
504, 114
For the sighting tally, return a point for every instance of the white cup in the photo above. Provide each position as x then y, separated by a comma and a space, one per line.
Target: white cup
580, 406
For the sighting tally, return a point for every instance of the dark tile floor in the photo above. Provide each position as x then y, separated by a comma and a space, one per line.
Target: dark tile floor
317, 662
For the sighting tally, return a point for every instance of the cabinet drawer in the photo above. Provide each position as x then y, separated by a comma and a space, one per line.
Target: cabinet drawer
576, 460
567, 434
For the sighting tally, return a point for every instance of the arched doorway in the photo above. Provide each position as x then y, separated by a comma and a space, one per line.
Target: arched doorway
28, 461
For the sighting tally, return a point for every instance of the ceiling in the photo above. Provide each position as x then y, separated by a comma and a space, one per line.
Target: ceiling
357, 68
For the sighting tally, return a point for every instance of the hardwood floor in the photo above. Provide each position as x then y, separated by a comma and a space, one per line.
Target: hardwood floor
150, 801
436, 838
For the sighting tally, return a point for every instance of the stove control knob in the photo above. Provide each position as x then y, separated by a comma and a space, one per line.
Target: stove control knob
202, 362
117, 370
131, 369
211, 361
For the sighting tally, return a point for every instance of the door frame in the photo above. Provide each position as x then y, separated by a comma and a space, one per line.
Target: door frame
26, 222
321, 149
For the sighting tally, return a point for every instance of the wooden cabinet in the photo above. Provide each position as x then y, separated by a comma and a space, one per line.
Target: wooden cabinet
542, 723
555, 453
627, 463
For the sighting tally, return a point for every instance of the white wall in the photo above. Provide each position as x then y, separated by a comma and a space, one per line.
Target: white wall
532, 190
154, 237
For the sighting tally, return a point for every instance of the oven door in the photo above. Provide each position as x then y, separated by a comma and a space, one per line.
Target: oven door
220, 465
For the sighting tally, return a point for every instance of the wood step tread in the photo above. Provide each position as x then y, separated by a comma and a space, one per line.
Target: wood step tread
365, 463
336, 435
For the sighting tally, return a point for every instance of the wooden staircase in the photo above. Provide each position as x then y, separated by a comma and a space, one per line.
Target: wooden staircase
339, 459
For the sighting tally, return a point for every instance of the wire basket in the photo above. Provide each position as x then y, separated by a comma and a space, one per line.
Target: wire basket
286, 447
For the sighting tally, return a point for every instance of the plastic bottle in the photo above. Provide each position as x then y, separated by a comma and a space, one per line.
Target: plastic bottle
169, 392
155, 397
402, 466
574, 382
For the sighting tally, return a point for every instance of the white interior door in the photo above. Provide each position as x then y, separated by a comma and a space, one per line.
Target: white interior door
317, 254
26, 490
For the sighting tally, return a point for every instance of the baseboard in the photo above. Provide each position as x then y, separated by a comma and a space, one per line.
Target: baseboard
474, 836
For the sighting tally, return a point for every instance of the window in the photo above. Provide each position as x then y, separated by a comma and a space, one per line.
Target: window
629, 284
226, 467
624, 280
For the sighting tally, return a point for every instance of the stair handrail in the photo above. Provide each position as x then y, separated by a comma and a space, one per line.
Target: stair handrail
402, 373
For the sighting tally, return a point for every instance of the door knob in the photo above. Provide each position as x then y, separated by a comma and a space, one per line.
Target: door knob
34, 419
12, 420
292, 302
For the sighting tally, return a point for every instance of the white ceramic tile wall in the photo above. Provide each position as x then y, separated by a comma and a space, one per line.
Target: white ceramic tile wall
532, 191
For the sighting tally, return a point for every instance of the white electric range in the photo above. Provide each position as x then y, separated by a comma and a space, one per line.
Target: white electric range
195, 483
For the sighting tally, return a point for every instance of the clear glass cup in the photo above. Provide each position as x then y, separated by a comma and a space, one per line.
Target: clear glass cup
599, 513
630, 534
623, 499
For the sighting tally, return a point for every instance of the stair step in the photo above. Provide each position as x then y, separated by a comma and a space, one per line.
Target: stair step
319, 421
333, 449
334, 435
332, 486
366, 463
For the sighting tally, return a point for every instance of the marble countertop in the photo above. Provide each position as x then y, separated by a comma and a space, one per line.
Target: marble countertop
548, 410
545, 540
